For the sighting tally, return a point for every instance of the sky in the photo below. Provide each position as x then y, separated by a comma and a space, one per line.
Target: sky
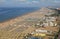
28, 3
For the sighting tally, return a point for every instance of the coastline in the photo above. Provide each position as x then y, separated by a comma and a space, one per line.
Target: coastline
17, 19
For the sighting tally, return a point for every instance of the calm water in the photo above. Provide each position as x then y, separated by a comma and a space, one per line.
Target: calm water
8, 13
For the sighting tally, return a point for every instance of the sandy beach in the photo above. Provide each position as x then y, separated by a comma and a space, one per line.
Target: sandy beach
21, 18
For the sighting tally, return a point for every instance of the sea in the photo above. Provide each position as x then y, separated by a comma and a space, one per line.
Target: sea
9, 13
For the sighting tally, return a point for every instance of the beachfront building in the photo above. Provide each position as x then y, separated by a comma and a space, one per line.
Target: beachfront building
40, 34
42, 22
47, 21
50, 21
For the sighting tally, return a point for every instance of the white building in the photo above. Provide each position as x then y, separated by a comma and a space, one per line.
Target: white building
42, 31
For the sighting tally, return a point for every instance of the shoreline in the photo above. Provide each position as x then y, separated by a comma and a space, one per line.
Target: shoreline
1, 21
18, 18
